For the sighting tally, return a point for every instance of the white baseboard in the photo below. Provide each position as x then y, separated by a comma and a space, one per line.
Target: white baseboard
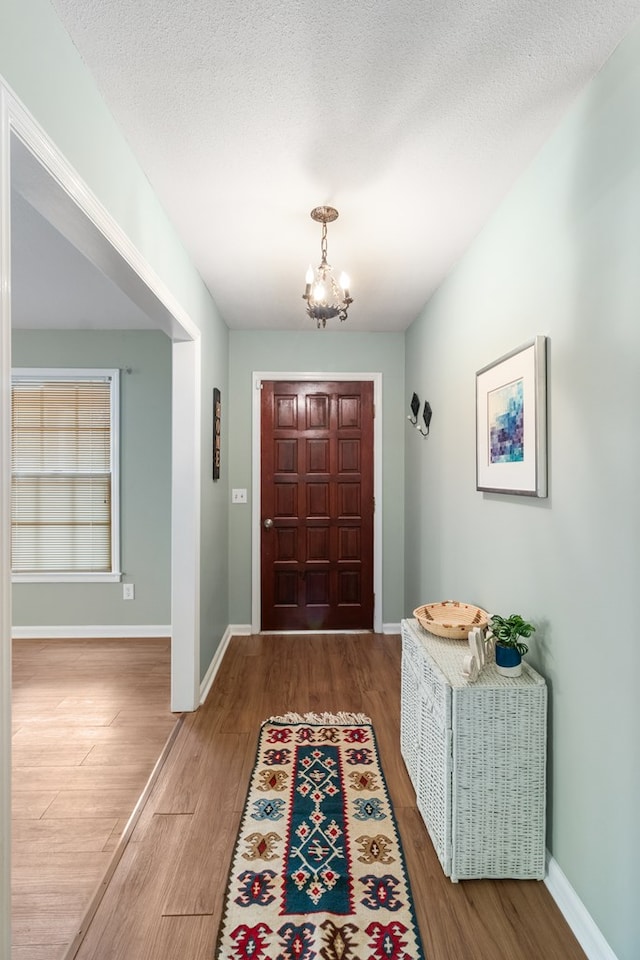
214, 666
110, 631
576, 914
240, 629
391, 628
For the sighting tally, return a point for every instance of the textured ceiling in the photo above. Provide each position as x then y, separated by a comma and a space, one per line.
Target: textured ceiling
412, 117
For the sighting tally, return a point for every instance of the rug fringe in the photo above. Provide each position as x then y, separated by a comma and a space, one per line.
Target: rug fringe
336, 718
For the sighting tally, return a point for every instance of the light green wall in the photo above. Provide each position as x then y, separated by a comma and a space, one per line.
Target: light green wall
145, 474
214, 521
42, 66
561, 257
316, 351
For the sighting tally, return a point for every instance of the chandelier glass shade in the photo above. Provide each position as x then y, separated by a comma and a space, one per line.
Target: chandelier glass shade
326, 297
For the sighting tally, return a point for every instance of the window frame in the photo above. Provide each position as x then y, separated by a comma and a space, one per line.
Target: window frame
41, 374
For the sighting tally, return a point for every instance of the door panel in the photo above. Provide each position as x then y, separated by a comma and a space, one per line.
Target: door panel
317, 488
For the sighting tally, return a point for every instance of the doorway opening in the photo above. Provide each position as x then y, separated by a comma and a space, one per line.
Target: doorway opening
31, 165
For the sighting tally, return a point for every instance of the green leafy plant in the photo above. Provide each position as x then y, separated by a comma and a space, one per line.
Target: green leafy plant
507, 630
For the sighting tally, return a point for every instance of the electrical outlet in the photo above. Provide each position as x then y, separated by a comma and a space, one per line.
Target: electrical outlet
128, 591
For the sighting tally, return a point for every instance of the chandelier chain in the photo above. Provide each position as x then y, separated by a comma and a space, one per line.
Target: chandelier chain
323, 244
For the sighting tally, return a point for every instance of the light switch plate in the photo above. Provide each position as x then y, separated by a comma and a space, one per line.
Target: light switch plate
238, 495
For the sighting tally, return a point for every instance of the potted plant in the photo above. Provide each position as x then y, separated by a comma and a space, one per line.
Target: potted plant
510, 649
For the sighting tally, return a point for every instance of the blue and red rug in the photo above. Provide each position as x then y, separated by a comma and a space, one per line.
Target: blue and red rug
318, 870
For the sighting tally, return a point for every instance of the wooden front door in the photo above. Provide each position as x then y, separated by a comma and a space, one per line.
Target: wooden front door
317, 505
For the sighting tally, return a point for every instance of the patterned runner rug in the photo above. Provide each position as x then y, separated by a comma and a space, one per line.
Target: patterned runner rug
318, 870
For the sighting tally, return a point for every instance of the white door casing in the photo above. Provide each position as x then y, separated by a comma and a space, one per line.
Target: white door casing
135, 276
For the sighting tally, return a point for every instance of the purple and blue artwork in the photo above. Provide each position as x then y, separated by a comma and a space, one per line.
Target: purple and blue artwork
506, 423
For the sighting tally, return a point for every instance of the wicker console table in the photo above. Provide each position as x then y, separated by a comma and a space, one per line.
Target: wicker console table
476, 755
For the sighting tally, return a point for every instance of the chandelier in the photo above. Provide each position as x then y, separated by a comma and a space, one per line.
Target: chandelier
326, 298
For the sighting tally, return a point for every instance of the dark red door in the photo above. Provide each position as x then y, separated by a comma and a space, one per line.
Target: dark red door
317, 505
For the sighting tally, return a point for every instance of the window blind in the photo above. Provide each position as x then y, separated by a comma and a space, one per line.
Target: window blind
61, 476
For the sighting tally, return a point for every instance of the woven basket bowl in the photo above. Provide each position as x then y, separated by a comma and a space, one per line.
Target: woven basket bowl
450, 618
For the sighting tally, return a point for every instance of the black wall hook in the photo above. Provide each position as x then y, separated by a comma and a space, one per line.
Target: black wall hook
427, 413
415, 406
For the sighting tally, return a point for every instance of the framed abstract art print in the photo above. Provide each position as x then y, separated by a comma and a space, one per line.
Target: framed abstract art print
511, 422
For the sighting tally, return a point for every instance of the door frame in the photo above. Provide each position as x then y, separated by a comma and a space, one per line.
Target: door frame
91, 227
256, 505
142, 284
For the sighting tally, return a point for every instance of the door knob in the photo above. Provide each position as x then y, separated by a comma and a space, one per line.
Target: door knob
268, 523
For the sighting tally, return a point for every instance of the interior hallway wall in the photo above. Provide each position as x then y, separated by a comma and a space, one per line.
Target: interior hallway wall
560, 257
214, 498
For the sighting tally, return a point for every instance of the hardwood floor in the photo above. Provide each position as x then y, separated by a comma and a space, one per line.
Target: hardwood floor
165, 898
90, 719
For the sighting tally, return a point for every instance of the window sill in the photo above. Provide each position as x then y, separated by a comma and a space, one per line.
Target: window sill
66, 577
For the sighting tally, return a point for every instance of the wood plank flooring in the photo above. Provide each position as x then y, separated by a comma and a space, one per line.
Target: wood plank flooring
90, 719
165, 898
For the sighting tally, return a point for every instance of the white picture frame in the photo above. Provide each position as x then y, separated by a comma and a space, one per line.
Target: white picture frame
511, 422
